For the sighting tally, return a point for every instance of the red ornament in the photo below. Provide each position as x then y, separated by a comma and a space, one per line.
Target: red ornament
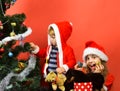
23, 56
1, 51
0, 23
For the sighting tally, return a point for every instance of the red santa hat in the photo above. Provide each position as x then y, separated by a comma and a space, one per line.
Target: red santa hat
92, 47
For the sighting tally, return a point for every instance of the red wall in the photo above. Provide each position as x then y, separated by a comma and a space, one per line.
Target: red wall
97, 20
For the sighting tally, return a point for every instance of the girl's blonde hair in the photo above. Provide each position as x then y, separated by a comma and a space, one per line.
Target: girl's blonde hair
105, 71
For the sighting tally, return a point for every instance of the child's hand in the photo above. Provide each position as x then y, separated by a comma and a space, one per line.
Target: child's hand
34, 48
99, 68
60, 70
82, 68
77, 67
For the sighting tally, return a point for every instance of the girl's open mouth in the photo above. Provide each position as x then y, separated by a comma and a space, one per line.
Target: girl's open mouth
92, 66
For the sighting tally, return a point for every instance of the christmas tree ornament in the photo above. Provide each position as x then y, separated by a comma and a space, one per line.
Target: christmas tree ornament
1, 25
21, 65
13, 24
10, 54
17, 70
1, 50
23, 56
12, 33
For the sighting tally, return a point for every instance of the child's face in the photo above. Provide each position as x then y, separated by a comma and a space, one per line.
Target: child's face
92, 61
52, 37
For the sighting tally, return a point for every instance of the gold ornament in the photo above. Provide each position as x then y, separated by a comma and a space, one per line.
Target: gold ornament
21, 65
98, 62
13, 24
1, 27
12, 33
17, 69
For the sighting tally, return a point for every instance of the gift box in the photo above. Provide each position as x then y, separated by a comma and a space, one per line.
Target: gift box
83, 86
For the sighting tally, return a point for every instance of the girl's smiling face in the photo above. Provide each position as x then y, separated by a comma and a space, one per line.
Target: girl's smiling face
92, 61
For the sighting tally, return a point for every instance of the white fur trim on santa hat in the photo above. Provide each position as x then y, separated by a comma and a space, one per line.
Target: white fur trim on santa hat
95, 51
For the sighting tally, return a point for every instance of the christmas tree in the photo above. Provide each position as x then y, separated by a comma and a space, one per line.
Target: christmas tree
19, 68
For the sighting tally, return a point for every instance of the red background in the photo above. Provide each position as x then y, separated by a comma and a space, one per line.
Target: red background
97, 20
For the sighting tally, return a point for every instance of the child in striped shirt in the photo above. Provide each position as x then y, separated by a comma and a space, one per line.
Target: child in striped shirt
58, 54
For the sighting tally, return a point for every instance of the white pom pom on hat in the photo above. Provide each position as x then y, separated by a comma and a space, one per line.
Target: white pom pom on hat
92, 47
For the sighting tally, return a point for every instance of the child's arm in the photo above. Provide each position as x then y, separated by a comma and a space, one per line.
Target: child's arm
36, 50
109, 81
60, 70
69, 59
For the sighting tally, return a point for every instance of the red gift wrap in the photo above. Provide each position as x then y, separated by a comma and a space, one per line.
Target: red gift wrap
83, 86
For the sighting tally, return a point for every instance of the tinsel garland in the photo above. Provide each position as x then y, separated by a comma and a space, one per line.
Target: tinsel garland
21, 76
26, 71
16, 37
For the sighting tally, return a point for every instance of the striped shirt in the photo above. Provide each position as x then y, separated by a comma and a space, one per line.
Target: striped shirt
52, 65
